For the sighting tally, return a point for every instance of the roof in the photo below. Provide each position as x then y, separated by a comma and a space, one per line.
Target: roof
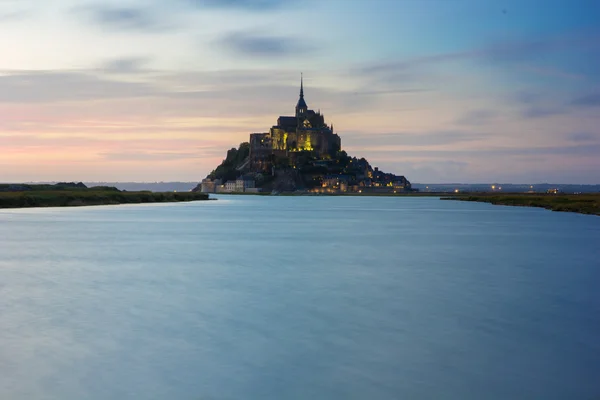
301, 103
287, 121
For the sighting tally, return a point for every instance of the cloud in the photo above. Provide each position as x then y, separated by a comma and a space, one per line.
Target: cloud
536, 105
149, 155
580, 150
389, 91
261, 45
491, 53
525, 97
553, 72
125, 18
125, 65
54, 86
583, 137
26, 140
589, 100
248, 5
477, 117
533, 105
240, 99
524, 53
514, 51
541, 111
14, 16
411, 138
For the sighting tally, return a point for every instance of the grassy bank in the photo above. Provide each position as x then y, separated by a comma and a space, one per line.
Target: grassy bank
587, 203
89, 197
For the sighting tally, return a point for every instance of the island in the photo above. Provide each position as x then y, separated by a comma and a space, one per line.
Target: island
77, 194
300, 154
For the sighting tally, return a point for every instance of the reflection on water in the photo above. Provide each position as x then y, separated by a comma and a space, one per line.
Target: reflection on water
298, 298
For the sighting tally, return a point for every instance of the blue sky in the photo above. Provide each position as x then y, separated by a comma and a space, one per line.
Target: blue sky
437, 90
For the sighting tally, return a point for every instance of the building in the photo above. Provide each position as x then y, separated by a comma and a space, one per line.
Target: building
337, 183
400, 183
243, 184
306, 130
300, 152
209, 186
230, 186
240, 185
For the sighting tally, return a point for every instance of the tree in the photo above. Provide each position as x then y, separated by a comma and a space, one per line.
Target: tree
227, 171
342, 158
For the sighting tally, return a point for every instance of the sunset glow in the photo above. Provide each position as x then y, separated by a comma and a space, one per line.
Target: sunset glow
438, 91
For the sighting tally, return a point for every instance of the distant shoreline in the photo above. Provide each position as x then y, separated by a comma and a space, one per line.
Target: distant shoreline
585, 203
39, 196
28, 196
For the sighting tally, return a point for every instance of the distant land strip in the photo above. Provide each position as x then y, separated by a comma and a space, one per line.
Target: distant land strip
72, 195
585, 203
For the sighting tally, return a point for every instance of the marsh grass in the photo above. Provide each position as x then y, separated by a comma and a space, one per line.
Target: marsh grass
586, 203
90, 197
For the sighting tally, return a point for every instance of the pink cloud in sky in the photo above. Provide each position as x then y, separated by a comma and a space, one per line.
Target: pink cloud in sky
161, 92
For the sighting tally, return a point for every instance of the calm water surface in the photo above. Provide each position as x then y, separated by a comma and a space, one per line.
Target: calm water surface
299, 298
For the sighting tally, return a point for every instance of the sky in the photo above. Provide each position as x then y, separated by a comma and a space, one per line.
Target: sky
436, 90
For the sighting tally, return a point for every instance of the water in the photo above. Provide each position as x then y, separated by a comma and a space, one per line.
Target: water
299, 298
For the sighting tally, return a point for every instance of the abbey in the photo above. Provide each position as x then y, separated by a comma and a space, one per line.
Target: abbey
305, 131
301, 153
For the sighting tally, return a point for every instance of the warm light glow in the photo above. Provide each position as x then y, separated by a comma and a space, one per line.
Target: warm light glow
173, 120
455, 190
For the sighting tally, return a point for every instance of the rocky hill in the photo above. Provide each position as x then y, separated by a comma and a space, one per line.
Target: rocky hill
300, 171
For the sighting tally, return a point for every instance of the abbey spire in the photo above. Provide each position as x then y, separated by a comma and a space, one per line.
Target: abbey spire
301, 107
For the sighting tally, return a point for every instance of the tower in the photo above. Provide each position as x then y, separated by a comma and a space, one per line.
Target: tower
301, 107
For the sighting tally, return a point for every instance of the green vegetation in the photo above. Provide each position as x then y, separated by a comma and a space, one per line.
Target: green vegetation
586, 203
15, 187
67, 195
227, 170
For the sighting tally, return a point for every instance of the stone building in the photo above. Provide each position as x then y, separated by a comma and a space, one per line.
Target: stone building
209, 186
230, 186
243, 184
305, 131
